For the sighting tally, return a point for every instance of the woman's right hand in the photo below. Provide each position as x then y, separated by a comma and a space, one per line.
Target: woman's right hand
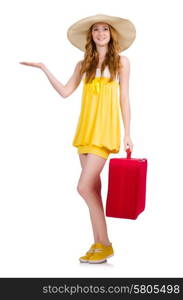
32, 64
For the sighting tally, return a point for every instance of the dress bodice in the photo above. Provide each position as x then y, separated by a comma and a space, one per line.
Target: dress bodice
106, 74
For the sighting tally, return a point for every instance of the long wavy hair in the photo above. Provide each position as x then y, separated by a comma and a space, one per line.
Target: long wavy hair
91, 56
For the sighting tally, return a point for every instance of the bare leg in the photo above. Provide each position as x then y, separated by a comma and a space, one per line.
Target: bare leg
83, 161
89, 187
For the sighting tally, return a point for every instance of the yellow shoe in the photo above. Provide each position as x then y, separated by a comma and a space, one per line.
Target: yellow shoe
101, 253
88, 254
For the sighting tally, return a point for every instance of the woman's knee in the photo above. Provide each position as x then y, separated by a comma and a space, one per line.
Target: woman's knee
85, 188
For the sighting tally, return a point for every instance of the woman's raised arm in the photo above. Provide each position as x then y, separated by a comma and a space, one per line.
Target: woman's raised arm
63, 90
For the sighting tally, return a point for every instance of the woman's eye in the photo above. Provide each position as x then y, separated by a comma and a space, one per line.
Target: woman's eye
97, 29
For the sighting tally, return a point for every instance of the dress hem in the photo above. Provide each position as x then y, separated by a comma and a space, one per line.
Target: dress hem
101, 151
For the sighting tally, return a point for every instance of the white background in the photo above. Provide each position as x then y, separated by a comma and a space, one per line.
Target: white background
44, 222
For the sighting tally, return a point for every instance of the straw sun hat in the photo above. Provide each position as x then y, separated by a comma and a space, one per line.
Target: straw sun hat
124, 27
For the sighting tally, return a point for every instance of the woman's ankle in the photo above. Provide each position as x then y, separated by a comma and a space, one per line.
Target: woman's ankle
105, 243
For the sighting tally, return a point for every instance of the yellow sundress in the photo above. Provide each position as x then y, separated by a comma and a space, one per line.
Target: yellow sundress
98, 128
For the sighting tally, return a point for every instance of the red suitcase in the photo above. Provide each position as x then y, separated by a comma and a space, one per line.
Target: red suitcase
126, 187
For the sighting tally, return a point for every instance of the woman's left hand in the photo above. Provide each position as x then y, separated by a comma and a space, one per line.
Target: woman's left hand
128, 143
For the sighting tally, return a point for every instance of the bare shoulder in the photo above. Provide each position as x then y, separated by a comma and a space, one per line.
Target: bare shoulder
124, 60
79, 64
124, 70
77, 70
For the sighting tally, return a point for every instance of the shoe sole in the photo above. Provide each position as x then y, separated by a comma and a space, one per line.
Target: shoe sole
100, 261
83, 261
87, 261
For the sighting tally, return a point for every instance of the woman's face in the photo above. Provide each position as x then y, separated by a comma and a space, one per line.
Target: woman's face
101, 34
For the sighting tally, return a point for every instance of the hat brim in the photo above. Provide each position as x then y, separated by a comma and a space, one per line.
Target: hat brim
76, 33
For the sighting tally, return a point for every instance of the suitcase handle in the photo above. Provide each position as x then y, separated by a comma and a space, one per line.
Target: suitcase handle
128, 153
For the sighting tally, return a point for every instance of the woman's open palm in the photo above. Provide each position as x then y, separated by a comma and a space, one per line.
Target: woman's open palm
32, 64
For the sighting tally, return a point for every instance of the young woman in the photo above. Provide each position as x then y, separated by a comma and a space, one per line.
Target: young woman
104, 72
